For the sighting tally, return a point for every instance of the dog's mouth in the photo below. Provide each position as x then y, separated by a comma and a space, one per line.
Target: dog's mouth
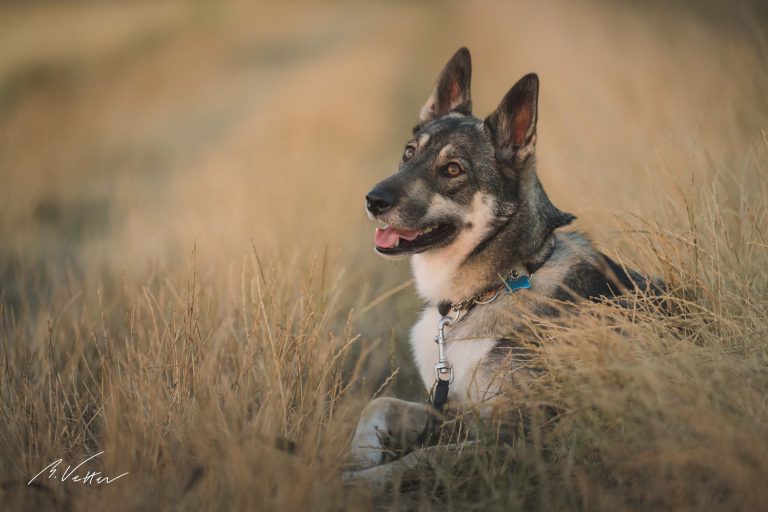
391, 241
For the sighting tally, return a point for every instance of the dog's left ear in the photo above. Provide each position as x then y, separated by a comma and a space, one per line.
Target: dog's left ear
451, 92
513, 124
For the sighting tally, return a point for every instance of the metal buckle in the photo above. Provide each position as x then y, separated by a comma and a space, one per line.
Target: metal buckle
442, 369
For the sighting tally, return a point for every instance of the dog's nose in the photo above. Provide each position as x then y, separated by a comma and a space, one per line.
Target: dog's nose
379, 200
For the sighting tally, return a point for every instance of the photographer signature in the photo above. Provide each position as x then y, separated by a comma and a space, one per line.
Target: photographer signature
90, 477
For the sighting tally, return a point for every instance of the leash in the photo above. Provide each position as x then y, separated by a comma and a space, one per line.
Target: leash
443, 370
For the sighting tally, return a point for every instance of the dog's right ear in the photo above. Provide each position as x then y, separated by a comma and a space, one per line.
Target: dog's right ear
451, 92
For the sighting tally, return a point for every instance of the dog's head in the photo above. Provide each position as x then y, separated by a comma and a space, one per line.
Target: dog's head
461, 178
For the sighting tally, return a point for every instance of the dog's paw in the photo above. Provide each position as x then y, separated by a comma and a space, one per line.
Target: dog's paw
373, 439
388, 429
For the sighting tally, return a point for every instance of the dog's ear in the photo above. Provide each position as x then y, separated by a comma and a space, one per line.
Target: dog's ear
513, 124
451, 92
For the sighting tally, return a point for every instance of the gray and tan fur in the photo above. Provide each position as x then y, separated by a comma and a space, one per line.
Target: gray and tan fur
469, 188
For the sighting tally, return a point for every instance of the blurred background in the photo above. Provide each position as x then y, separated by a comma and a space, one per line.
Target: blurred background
133, 132
187, 271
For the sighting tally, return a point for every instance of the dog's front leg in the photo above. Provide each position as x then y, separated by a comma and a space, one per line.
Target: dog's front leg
387, 429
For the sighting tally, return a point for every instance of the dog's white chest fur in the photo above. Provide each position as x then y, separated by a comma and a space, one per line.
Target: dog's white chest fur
434, 272
464, 356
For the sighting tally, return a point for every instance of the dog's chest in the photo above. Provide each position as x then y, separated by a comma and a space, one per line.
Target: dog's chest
465, 355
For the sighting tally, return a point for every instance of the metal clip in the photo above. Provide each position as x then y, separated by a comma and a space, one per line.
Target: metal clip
442, 368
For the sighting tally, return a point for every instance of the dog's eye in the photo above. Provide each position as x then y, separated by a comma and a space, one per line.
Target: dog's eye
408, 153
453, 170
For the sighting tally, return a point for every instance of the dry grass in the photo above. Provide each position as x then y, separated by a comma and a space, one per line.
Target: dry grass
185, 269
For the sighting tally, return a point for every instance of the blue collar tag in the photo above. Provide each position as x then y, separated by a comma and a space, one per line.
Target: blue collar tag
517, 283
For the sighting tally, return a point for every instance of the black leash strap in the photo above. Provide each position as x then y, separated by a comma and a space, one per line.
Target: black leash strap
438, 400
440, 396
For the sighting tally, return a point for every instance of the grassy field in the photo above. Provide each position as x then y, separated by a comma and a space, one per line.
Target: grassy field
186, 270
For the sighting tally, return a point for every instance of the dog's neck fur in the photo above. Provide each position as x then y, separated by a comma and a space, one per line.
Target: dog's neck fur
491, 245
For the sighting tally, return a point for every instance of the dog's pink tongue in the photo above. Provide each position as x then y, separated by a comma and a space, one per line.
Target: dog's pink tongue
388, 237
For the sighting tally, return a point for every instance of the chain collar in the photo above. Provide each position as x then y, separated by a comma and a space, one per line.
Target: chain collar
512, 282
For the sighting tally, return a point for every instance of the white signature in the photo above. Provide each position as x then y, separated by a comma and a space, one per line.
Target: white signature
90, 477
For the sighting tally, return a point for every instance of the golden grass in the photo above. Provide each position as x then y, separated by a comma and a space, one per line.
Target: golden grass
185, 268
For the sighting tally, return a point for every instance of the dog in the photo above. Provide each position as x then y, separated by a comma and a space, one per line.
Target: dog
466, 205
